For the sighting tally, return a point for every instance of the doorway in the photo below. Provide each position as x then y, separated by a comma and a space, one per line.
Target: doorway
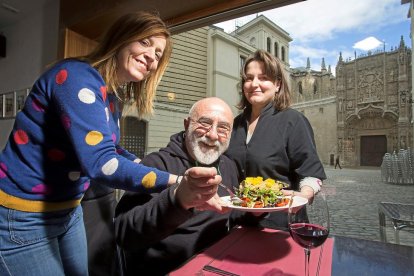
373, 149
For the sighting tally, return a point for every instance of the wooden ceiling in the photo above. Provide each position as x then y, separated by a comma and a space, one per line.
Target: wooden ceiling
91, 18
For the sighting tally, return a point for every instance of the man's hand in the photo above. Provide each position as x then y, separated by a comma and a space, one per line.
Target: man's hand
214, 204
197, 187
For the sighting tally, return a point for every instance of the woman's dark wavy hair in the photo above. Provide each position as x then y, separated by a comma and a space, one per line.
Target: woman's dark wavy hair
129, 28
274, 71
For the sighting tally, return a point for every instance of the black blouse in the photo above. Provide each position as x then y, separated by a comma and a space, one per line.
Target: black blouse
282, 147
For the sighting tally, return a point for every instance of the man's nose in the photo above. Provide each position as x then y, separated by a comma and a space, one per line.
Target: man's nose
212, 133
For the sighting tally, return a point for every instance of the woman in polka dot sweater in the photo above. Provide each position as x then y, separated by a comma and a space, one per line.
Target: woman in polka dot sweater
67, 135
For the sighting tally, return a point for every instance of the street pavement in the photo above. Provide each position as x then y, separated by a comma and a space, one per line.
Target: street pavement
353, 197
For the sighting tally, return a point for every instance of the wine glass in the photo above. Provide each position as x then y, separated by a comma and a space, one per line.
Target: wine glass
309, 225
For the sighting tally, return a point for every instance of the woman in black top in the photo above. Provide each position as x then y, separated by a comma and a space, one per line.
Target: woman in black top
271, 140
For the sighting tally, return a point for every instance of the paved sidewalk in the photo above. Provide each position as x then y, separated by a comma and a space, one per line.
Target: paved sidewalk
353, 197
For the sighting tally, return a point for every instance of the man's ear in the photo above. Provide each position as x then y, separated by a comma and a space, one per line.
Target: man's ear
186, 123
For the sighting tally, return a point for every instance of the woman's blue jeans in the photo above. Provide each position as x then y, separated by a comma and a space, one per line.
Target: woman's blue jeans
52, 243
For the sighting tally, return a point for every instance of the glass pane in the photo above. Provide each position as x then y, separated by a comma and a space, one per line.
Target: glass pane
1, 106
20, 99
9, 112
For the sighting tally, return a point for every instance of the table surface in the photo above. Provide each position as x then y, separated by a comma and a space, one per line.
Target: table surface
350, 256
398, 211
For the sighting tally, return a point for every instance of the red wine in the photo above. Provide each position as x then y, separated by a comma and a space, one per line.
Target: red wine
308, 235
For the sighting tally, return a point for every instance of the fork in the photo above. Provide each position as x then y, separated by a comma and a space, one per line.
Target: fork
218, 271
233, 196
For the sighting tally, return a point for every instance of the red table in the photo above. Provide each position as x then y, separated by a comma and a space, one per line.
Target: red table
254, 251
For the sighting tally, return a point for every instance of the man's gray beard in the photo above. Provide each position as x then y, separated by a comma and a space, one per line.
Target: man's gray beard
210, 155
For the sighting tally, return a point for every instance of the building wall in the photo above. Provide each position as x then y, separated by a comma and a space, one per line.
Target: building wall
317, 101
186, 74
322, 117
184, 83
31, 45
167, 121
373, 100
226, 54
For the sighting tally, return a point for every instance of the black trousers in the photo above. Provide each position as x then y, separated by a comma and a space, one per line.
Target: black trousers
98, 213
337, 164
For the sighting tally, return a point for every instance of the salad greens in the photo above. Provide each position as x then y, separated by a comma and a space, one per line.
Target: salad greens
258, 193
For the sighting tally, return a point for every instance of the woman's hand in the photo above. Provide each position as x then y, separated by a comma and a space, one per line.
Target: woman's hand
306, 192
197, 187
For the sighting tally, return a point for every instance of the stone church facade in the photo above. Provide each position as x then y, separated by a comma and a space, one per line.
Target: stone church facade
374, 106
370, 99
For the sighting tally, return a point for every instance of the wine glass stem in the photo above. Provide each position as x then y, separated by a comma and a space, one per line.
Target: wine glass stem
307, 258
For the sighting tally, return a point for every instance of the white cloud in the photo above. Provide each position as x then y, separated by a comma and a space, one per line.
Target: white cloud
324, 28
322, 19
368, 43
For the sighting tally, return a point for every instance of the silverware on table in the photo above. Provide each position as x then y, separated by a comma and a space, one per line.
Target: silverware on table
218, 271
233, 197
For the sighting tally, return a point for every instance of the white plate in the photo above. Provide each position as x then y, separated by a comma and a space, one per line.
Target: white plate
297, 201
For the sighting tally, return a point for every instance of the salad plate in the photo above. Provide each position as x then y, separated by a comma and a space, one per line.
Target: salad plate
297, 201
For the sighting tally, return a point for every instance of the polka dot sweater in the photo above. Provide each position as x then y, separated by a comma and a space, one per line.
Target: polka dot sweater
67, 134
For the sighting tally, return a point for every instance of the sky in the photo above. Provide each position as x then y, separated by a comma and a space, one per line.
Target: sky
324, 28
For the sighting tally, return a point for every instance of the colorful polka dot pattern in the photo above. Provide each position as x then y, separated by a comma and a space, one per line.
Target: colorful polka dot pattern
103, 91
86, 185
66, 121
90, 120
61, 76
148, 181
41, 189
20, 137
3, 170
93, 137
74, 176
37, 105
87, 96
110, 167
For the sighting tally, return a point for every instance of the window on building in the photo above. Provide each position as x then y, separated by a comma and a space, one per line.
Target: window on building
321, 110
283, 53
300, 88
276, 46
9, 109
315, 88
253, 41
269, 43
242, 62
20, 99
1, 106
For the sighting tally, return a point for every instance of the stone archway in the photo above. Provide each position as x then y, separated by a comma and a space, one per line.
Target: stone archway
369, 134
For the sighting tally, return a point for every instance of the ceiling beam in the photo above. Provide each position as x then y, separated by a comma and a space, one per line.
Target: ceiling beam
91, 18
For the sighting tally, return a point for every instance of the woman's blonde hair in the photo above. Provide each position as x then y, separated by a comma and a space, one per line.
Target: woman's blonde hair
275, 72
129, 28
